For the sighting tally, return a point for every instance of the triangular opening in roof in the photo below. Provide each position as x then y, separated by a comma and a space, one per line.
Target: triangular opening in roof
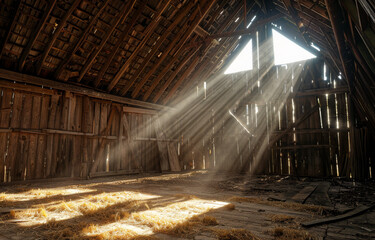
244, 60
287, 51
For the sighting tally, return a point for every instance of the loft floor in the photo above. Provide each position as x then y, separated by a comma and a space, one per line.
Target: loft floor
191, 205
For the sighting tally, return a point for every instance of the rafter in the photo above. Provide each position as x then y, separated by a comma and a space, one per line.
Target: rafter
120, 40
34, 37
83, 37
9, 30
182, 14
202, 53
204, 11
332, 9
186, 73
148, 32
161, 75
173, 75
297, 20
123, 14
225, 25
249, 30
55, 36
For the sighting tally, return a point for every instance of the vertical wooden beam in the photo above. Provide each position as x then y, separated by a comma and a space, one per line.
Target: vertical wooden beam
148, 32
9, 30
197, 20
55, 36
35, 35
123, 14
120, 147
69, 56
103, 143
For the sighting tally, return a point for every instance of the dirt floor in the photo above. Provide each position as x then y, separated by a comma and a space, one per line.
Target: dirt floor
191, 205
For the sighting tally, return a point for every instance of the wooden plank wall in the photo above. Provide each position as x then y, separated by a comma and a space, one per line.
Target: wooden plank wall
318, 146
50, 134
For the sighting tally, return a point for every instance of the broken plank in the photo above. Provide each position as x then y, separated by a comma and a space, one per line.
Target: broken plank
359, 210
302, 195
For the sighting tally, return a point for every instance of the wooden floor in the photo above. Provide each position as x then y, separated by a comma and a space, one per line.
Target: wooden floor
175, 206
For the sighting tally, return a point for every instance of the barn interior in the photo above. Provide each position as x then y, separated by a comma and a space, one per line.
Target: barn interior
187, 119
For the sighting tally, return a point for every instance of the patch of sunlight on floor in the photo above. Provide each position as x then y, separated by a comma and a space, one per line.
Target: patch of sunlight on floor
85, 205
172, 219
32, 194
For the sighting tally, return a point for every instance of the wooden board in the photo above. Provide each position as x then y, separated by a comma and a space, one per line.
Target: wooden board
359, 210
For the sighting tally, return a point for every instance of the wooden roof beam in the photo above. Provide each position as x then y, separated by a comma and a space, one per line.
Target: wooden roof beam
161, 75
204, 51
203, 66
249, 30
9, 30
156, 47
148, 32
55, 35
364, 31
123, 14
121, 39
186, 73
204, 10
24, 78
297, 20
83, 37
333, 11
314, 7
173, 75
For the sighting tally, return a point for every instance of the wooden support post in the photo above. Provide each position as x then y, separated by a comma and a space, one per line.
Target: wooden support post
103, 143
120, 150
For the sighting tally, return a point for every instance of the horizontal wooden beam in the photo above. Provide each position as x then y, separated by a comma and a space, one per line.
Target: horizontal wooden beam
305, 116
139, 110
155, 139
24, 78
27, 88
314, 131
322, 91
304, 147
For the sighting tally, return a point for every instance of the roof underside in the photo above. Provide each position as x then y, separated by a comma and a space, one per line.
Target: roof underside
151, 50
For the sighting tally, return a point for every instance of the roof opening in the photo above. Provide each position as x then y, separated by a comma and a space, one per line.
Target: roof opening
287, 51
244, 60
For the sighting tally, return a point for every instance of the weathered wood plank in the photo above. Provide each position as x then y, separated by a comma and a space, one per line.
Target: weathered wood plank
359, 210
24, 78
162, 146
